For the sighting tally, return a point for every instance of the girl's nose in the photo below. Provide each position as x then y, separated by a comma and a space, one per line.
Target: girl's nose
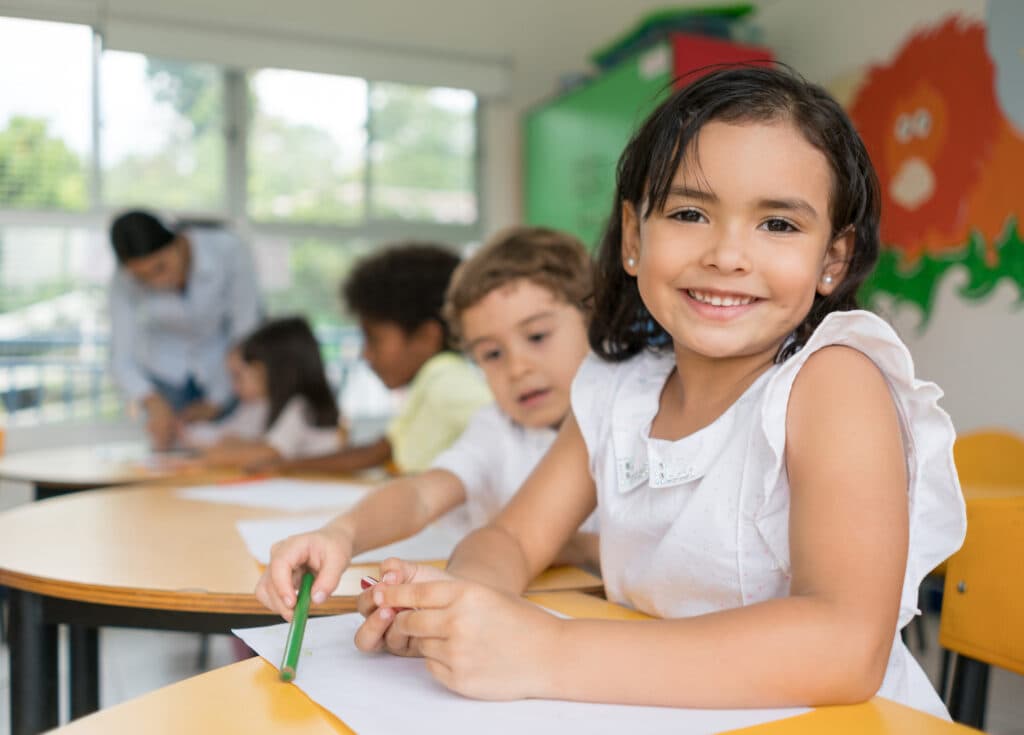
727, 253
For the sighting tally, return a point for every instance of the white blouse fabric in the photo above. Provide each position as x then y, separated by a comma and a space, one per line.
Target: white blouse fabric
247, 421
702, 524
492, 459
294, 436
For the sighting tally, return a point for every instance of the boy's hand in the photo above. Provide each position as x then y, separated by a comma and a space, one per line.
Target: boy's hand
326, 553
477, 641
377, 632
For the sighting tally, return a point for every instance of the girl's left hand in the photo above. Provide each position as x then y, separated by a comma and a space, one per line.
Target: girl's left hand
477, 641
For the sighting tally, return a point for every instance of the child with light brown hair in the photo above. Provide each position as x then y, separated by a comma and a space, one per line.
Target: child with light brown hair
518, 308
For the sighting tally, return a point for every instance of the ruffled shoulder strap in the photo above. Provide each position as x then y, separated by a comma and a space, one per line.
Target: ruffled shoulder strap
938, 520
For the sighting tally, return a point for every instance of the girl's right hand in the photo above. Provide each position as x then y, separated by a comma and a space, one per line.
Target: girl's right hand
326, 553
377, 633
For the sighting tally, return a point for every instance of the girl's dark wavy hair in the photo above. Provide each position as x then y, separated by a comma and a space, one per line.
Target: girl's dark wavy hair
621, 326
290, 354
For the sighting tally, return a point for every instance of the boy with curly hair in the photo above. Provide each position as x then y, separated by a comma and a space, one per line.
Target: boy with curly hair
397, 295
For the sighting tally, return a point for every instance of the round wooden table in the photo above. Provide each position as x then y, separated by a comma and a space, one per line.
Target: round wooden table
248, 698
58, 471
138, 557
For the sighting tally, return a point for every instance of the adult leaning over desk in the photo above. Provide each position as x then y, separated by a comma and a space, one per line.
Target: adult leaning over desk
178, 301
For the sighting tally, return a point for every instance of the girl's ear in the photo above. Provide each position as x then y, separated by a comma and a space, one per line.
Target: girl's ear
630, 238
837, 258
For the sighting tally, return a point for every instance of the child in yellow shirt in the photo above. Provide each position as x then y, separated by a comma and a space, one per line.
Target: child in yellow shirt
397, 295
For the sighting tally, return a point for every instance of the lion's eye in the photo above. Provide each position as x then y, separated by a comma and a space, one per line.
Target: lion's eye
904, 128
922, 123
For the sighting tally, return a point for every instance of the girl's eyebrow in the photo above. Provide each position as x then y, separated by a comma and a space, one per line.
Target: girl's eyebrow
794, 205
690, 193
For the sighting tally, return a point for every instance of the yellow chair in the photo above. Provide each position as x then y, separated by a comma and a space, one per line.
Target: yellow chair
985, 460
983, 604
990, 457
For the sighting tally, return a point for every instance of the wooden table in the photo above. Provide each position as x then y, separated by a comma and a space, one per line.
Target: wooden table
139, 557
58, 471
248, 697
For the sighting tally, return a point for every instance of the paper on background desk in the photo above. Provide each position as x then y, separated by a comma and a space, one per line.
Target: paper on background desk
279, 494
436, 541
379, 693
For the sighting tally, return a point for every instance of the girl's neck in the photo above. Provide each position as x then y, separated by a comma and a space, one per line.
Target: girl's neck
700, 389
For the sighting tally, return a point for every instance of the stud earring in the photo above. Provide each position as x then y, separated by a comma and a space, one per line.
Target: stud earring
826, 279
630, 262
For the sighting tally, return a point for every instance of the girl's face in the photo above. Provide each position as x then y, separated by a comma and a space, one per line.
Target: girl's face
731, 264
249, 379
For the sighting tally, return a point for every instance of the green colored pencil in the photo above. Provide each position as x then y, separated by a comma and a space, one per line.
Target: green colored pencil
298, 627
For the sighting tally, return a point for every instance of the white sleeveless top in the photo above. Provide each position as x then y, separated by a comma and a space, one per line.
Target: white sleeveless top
702, 524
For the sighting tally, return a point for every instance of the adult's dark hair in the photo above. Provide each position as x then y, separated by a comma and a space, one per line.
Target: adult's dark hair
621, 325
290, 354
137, 234
404, 284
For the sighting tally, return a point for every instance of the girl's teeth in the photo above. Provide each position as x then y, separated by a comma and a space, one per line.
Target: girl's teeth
716, 300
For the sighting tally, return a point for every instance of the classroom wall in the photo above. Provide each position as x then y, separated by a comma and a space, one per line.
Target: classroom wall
519, 50
972, 347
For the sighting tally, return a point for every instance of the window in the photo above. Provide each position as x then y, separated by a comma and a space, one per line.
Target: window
162, 143
423, 155
312, 170
44, 137
307, 147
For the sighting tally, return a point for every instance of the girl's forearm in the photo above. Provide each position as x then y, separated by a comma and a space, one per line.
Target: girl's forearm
349, 459
492, 556
795, 651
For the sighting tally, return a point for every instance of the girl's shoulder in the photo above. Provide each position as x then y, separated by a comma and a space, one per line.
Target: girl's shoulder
606, 392
937, 508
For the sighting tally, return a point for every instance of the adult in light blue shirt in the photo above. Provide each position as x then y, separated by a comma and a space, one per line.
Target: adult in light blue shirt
178, 302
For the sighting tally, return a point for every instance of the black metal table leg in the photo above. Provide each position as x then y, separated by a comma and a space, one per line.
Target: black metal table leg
84, 670
33, 666
969, 693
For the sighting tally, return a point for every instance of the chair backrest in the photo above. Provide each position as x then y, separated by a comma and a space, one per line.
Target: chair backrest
990, 457
983, 604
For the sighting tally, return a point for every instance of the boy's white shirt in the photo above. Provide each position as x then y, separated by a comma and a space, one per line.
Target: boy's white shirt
492, 459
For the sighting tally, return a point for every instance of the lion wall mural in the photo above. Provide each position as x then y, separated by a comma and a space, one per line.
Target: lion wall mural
950, 159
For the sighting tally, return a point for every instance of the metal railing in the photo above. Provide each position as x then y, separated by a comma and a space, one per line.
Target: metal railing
55, 379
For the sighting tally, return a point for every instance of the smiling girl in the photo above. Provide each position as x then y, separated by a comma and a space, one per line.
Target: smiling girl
770, 477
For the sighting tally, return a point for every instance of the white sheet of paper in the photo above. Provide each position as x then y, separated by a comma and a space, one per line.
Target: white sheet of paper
379, 693
436, 541
279, 494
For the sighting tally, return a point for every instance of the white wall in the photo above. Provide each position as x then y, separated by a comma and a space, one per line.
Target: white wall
973, 350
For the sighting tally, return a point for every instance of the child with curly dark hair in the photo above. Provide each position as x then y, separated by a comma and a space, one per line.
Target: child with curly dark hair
397, 294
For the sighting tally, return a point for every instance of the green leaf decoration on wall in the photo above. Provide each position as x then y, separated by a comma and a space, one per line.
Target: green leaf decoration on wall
918, 283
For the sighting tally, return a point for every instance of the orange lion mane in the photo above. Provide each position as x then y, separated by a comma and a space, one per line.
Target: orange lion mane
951, 60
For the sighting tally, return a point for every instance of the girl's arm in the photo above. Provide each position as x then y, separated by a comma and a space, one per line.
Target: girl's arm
234, 452
527, 535
392, 512
344, 461
827, 643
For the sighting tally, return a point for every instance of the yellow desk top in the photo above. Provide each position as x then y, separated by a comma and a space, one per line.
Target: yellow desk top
146, 547
247, 697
